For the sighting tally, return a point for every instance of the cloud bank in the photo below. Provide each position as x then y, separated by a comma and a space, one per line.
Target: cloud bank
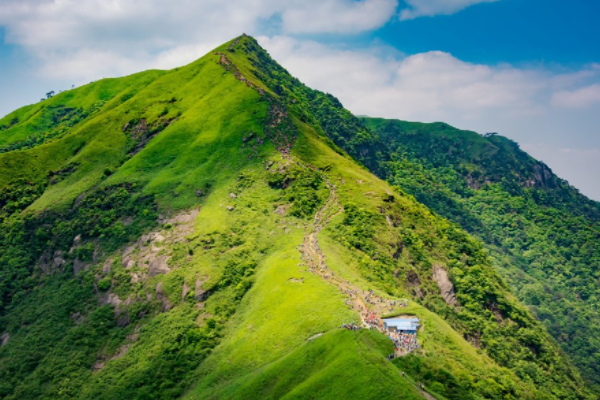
433, 85
87, 38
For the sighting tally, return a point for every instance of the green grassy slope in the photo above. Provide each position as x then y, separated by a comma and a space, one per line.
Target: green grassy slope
35, 124
105, 297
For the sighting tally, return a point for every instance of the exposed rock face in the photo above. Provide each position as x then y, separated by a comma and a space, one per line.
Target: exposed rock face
4, 339
158, 265
160, 295
151, 253
184, 291
101, 361
79, 266
77, 240
542, 176
112, 299
440, 275
282, 209
51, 262
184, 218
147, 257
389, 221
414, 282
413, 279
107, 266
199, 293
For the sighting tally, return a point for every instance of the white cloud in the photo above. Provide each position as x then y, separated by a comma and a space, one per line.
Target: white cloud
429, 8
123, 36
432, 85
577, 98
427, 86
87, 38
337, 16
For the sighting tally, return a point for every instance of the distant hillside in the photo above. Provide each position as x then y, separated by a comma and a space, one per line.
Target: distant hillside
544, 236
206, 233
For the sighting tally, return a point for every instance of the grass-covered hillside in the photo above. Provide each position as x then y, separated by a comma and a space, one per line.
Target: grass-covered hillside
543, 235
158, 240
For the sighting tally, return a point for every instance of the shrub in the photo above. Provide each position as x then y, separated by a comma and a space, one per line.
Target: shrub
104, 284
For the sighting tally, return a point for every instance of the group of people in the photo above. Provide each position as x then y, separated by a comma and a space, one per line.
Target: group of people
351, 326
373, 320
404, 342
372, 298
351, 293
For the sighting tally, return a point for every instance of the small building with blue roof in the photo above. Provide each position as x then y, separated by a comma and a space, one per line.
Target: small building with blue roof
406, 325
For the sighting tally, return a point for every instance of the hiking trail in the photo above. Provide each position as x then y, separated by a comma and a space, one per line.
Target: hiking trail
369, 306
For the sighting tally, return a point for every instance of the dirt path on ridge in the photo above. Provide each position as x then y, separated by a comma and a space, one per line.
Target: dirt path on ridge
368, 306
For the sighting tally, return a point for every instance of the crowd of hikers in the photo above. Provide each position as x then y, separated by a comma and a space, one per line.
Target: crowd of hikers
373, 320
372, 298
404, 342
351, 326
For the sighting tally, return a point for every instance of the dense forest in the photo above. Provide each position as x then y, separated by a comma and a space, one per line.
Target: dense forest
543, 235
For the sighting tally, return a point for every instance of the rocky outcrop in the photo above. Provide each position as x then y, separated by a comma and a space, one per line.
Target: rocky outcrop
101, 361
112, 299
79, 266
542, 177
151, 252
185, 289
440, 275
414, 282
149, 256
50, 262
199, 293
162, 297
282, 209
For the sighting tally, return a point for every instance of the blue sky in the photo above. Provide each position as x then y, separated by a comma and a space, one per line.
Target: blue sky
522, 32
528, 69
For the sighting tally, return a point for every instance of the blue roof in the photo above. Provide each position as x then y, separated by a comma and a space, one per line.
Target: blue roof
402, 324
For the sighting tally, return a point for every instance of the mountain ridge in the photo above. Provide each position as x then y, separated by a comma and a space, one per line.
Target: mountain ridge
516, 205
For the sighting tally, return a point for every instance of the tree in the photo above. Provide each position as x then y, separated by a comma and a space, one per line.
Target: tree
50, 94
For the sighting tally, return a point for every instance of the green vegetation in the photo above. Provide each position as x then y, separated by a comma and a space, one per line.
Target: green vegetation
149, 240
542, 233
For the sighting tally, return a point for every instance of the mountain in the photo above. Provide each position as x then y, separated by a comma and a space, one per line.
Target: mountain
206, 232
